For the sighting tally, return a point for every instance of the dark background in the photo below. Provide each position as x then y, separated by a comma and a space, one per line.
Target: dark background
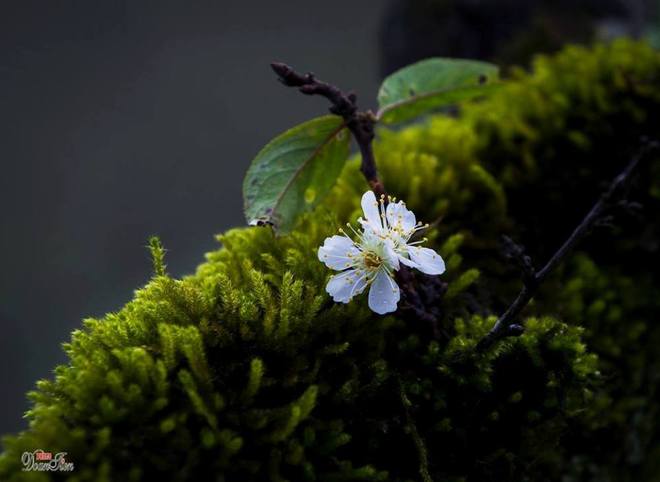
120, 119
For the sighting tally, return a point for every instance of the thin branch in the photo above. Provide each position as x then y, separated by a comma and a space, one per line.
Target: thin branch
361, 124
506, 325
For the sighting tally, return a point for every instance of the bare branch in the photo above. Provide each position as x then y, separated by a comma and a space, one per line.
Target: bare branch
506, 325
361, 124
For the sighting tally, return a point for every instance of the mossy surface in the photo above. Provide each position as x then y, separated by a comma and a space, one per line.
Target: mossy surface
247, 371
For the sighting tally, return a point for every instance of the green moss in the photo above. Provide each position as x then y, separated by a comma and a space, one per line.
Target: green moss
247, 371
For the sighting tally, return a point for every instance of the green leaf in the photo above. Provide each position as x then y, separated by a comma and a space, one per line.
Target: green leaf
430, 84
295, 171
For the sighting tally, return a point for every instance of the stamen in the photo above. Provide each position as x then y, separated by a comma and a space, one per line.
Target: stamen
357, 235
419, 227
343, 233
372, 260
382, 211
417, 242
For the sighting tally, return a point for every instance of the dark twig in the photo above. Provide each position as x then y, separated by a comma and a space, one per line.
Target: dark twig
506, 325
361, 124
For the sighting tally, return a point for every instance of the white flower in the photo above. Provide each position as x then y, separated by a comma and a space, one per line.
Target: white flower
376, 253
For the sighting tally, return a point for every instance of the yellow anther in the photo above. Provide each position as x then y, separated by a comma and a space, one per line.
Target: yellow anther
372, 260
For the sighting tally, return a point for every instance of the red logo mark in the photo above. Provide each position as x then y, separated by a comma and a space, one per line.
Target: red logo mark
44, 456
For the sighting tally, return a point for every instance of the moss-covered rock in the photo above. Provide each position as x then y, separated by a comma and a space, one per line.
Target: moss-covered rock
247, 371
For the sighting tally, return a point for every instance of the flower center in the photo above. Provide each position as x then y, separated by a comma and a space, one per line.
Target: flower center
372, 260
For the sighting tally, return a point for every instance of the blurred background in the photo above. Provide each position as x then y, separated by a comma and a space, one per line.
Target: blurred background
122, 119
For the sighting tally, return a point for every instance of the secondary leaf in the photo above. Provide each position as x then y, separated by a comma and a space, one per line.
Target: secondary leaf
432, 83
294, 171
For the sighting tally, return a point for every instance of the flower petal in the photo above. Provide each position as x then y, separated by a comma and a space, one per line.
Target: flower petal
338, 252
407, 262
400, 217
361, 282
427, 260
371, 212
390, 256
384, 294
343, 286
